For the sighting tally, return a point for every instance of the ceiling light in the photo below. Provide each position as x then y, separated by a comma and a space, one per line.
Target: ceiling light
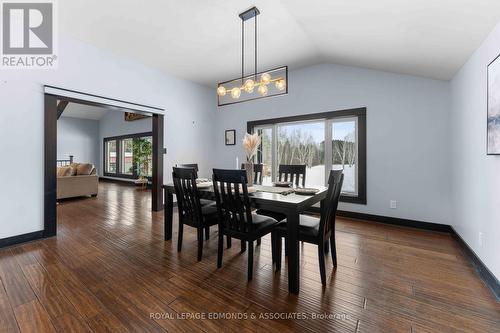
256, 85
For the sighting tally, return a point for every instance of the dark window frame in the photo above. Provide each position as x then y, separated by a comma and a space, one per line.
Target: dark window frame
360, 114
119, 139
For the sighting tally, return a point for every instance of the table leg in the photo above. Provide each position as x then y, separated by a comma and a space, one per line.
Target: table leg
293, 252
168, 214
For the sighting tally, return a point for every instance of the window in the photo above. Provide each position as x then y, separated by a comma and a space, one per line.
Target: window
144, 164
345, 152
323, 141
128, 156
110, 153
265, 154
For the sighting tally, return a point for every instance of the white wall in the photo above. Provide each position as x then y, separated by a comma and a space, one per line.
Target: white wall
476, 176
188, 124
407, 133
80, 138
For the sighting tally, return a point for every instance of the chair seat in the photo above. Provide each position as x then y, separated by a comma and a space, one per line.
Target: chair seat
277, 216
308, 227
206, 202
263, 223
210, 216
209, 210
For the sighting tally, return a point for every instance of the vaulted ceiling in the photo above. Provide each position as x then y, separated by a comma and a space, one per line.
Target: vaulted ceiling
200, 40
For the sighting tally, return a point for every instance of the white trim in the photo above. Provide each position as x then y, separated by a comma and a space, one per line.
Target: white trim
102, 100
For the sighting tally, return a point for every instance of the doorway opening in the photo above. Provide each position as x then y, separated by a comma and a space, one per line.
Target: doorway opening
113, 164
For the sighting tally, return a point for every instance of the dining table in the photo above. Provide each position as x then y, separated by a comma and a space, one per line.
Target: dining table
270, 198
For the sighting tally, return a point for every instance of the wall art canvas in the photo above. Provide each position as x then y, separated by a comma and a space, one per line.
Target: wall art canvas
230, 137
493, 139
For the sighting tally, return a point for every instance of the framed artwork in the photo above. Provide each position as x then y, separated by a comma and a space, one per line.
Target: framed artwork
230, 137
130, 116
493, 127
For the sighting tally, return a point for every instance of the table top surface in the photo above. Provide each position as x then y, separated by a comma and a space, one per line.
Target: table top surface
263, 193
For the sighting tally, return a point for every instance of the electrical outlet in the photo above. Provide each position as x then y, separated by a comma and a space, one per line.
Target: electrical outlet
393, 204
480, 238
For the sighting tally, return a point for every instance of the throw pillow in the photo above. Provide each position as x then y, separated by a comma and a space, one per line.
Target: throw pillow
64, 171
84, 169
73, 166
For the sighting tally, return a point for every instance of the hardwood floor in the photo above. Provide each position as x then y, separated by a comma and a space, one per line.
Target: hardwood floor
110, 270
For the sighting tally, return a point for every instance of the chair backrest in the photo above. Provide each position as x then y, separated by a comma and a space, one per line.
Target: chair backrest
327, 221
257, 172
186, 191
292, 173
233, 204
190, 165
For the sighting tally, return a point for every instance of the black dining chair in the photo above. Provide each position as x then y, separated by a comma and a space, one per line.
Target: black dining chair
257, 172
191, 212
292, 173
236, 219
315, 230
204, 202
287, 173
190, 165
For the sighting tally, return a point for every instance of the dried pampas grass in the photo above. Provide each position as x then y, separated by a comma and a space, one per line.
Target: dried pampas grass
251, 143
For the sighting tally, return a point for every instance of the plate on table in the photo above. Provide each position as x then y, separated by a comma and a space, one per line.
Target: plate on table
282, 184
202, 180
306, 191
204, 185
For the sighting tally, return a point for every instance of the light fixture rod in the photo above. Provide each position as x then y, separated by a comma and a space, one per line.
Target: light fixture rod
242, 50
247, 15
255, 68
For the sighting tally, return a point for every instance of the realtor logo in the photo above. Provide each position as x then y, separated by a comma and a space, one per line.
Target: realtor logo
28, 34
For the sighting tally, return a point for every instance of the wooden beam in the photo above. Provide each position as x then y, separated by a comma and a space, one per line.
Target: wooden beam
60, 108
50, 158
157, 192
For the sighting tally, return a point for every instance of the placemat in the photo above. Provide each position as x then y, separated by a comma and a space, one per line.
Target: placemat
272, 189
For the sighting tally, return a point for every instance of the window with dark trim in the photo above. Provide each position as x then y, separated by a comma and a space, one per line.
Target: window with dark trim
119, 158
323, 141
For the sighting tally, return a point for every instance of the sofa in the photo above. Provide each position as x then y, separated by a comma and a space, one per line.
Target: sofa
77, 180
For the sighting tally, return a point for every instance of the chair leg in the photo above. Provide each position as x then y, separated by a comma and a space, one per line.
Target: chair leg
243, 246
250, 260
334, 250
179, 239
321, 257
258, 242
327, 247
200, 243
286, 247
220, 250
278, 252
207, 233
273, 246
228, 240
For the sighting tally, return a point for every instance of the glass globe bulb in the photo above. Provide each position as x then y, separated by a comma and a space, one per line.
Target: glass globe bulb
280, 84
235, 92
221, 91
263, 90
265, 78
249, 85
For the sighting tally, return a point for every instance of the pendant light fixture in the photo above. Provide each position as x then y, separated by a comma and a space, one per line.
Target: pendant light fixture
248, 87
